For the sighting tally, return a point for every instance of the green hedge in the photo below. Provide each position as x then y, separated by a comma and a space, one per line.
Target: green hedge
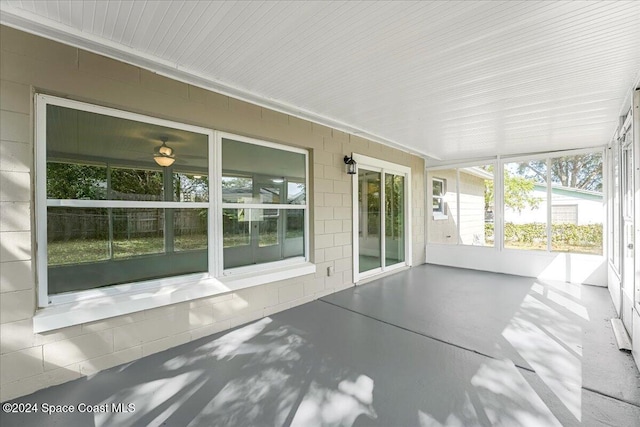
569, 234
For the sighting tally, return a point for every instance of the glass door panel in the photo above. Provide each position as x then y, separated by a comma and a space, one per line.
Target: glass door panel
394, 219
628, 259
369, 220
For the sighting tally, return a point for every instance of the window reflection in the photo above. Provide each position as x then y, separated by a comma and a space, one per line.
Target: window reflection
263, 176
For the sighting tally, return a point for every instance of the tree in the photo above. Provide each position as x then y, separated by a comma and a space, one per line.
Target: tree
74, 181
582, 172
139, 183
517, 194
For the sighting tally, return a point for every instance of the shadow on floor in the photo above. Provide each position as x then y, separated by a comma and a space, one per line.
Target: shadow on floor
323, 365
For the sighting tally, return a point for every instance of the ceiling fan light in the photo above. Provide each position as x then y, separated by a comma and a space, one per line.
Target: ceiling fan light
164, 150
164, 154
164, 161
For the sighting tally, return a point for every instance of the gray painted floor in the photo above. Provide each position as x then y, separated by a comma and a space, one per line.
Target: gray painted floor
427, 347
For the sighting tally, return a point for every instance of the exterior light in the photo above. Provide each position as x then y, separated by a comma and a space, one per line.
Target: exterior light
164, 154
351, 165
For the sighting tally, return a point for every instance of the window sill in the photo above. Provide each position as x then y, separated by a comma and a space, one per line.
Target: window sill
91, 310
437, 217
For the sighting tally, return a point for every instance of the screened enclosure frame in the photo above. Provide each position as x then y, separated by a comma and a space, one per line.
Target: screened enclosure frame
499, 163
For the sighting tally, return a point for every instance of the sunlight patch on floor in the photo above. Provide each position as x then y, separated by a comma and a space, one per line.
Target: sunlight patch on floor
325, 407
552, 352
508, 399
466, 418
228, 345
168, 393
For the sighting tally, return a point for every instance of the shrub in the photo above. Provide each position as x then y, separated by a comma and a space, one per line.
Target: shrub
568, 234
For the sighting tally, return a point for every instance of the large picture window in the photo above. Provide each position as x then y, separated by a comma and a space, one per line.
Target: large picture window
124, 198
264, 202
113, 213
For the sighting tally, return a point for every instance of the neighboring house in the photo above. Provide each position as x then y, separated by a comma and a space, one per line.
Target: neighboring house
568, 206
443, 218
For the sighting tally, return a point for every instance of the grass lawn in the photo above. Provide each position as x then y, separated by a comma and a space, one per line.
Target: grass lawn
92, 250
556, 247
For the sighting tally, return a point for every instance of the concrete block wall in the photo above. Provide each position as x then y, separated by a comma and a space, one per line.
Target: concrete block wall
30, 64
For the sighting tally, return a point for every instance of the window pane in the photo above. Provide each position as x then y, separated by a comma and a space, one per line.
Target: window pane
87, 151
476, 205
270, 191
394, 219
136, 184
442, 212
237, 189
525, 205
294, 237
296, 193
190, 187
267, 220
236, 227
76, 181
137, 232
90, 248
438, 188
77, 235
577, 203
190, 229
258, 174
255, 236
369, 234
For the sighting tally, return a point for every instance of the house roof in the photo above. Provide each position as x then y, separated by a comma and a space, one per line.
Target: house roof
450, 80
572, 192
476, 171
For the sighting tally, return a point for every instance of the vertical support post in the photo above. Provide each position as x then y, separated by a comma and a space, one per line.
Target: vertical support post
110, 212
635, 126
168, 213
498, 208
549, 201
383, 222
458, 229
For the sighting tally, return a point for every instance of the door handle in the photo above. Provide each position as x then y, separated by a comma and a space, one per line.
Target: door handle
630, 246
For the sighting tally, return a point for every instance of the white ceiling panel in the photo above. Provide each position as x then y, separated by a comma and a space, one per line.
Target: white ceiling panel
450, 80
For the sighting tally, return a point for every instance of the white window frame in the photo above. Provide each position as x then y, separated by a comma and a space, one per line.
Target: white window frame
438, 215
252, 269
73, 308
42, 203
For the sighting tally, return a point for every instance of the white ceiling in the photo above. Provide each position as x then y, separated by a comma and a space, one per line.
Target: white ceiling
449, 80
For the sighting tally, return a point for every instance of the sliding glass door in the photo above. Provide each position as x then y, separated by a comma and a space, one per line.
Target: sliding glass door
370, 225
394, 219
380, 217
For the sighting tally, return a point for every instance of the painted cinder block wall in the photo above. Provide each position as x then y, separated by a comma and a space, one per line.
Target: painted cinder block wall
30, 64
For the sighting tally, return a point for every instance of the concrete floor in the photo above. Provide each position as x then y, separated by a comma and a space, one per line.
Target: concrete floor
430, 346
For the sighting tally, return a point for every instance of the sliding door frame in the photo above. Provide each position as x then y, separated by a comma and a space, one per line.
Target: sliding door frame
384, 167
